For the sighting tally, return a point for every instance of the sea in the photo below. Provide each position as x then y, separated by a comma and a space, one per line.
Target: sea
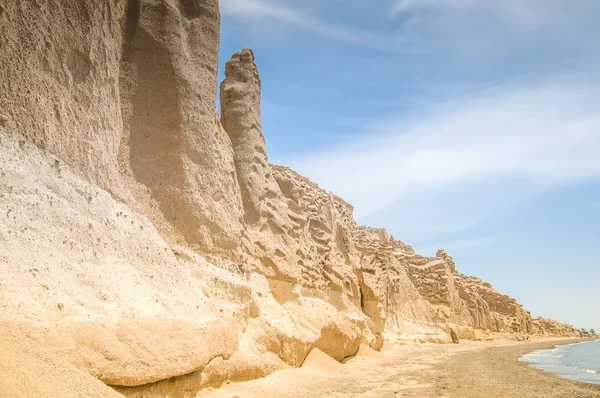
579, 361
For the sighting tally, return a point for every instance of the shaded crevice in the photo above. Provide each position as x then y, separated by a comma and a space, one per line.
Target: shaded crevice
184, 385
132, 19
154, 125
362, 298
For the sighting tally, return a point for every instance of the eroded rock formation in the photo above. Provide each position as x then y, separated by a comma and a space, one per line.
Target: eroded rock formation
152, 246
550, 327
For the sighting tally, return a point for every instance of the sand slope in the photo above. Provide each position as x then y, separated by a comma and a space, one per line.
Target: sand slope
470, 370
29, 370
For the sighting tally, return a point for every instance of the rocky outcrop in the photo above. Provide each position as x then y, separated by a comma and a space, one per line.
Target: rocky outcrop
152, 246
240, 117
124, 92
59, 72
89, 278
175, 160
491, 310
550, 327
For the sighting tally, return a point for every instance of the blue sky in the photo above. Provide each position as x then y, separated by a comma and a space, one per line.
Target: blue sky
471, 125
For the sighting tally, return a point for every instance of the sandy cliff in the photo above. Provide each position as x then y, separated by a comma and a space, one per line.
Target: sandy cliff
150, 245
550, 327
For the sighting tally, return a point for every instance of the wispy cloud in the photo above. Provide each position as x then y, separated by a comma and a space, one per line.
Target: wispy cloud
487, 28
524, 13
400, 6
513, 141
257, 12
454, 28
259, 9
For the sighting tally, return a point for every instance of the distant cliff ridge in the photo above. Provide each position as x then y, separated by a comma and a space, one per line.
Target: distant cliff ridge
153, 246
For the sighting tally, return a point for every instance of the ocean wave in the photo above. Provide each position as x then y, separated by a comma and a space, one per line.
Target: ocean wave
581, 342
590, 371
575, 363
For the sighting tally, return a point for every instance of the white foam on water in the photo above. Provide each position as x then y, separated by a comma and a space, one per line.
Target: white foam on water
592, 371
578, 361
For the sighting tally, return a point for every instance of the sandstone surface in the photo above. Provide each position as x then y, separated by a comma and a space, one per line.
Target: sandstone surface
150, 244
550, 327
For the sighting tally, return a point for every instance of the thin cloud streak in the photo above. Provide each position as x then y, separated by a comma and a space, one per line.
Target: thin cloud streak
518, 13
264, 11
546, 135
456, 29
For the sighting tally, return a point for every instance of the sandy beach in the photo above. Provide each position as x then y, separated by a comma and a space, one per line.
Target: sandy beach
469, 369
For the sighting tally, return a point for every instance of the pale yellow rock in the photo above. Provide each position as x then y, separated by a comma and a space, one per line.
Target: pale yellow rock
550, 327
29, 370
174, 157
125, 92
121, 287
59, 71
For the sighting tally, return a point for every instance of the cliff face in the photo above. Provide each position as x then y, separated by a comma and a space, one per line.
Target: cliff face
153, 246
125, 93
550, 327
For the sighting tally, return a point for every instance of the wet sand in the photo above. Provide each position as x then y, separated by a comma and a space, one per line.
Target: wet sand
466, 370
496, 372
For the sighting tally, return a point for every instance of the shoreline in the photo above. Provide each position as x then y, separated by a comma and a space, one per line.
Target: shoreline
549, 360
498, 372
489, 369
